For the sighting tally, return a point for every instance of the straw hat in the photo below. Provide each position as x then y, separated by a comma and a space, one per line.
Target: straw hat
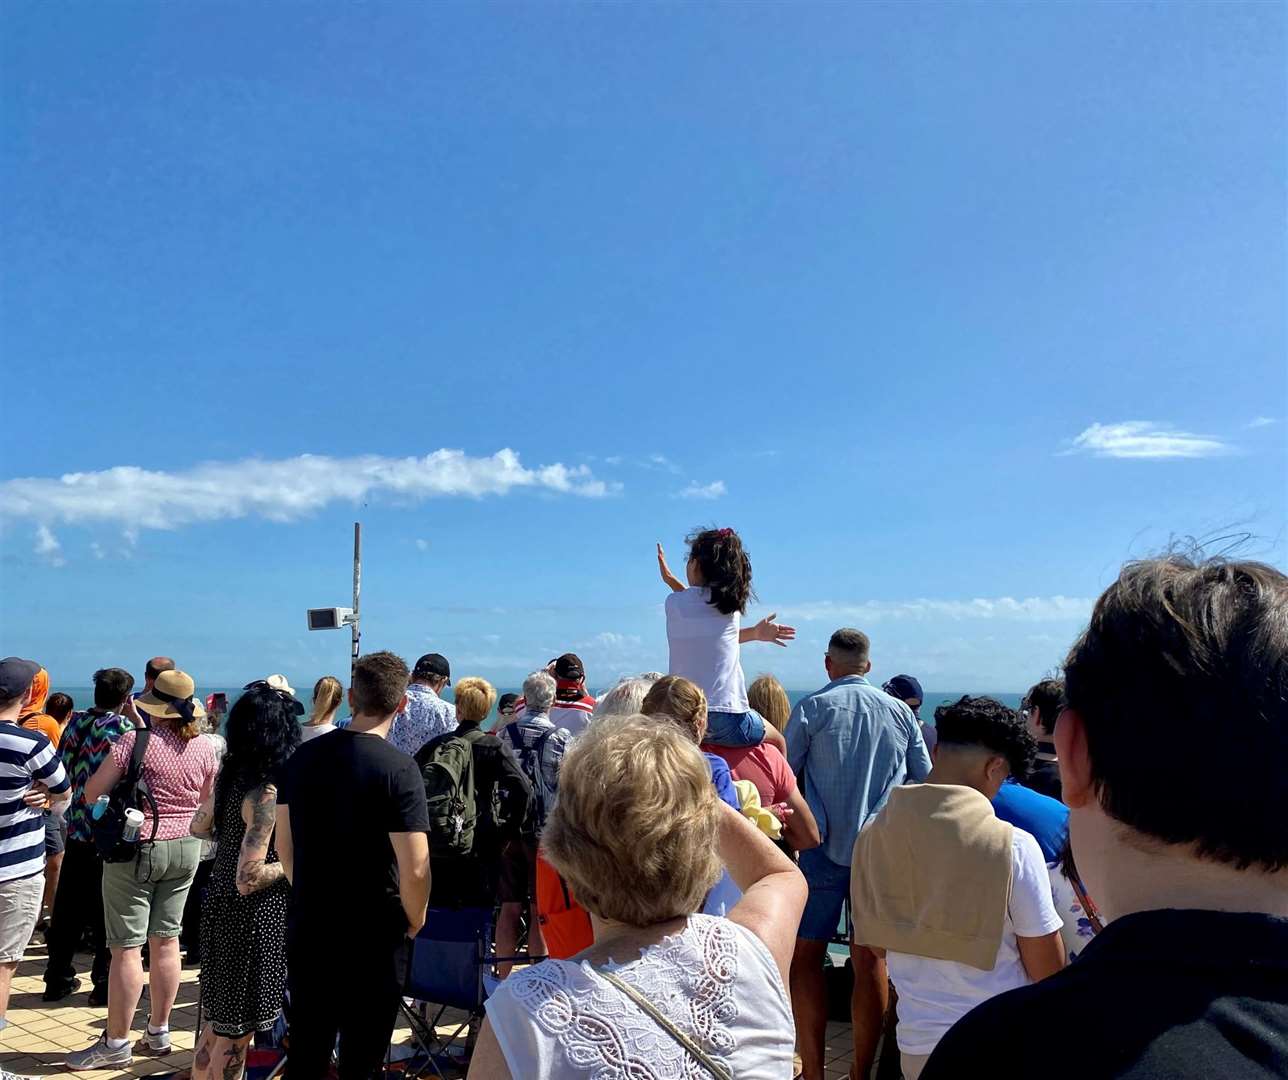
171, 698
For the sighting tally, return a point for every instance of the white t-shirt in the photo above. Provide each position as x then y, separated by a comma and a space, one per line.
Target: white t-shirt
308, 732
935, 994
704, 648
714, 980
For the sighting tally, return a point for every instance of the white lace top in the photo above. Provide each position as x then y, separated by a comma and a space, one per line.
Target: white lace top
714, 980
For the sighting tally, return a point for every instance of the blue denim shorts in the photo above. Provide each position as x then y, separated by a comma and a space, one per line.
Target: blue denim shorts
735, 728
829, 889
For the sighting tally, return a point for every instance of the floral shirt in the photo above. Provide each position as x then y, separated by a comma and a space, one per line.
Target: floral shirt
426, 715
86, 740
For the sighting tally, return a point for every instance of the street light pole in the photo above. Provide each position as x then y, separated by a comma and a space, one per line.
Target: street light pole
357, 591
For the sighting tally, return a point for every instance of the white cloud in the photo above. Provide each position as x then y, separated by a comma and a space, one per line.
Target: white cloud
1261, 421
661, 461
1030, 609
614, 460
695, 490
1145, 439
96, 549
282, 490
48, 547
422, 544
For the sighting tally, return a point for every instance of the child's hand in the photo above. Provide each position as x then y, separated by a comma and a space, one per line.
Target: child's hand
768, 630
663, 569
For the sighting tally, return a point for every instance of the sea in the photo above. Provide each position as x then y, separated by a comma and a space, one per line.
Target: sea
83, 696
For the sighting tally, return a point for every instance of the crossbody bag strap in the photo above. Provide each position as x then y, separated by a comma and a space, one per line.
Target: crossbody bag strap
720, 1072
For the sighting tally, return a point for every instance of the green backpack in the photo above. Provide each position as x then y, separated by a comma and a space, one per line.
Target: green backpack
447, 768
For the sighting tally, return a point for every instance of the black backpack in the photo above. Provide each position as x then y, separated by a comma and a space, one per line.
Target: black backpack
130, 792
530, 761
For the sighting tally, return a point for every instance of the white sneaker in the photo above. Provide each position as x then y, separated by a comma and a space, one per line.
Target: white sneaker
5, 1074
99, 1056
157, 1043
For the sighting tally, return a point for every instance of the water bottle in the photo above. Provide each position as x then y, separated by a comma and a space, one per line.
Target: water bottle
133, 823
100, 806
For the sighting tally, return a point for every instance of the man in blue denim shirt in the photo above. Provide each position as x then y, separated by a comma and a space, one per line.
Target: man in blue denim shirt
849, 743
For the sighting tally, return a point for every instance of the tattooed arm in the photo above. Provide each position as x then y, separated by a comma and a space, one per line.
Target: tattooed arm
203, 821
259, 811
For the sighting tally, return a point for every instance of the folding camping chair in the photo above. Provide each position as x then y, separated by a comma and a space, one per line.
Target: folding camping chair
451, 962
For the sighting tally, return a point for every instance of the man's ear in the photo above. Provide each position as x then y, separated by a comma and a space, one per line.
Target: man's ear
1077, 787
867, 666
997, 769
349, 696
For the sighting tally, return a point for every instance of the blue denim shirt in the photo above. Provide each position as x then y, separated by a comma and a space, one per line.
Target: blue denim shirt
851, 743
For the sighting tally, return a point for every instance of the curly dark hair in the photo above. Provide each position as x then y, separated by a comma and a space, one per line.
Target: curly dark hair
986, 722
262, 730
725, 568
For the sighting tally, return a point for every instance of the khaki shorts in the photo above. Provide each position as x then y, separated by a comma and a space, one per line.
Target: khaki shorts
19, 910
144, 898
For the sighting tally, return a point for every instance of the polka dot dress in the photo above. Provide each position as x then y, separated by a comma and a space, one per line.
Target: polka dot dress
243, 938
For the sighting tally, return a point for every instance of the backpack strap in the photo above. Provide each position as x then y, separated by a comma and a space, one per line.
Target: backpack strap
516, 739
134, 776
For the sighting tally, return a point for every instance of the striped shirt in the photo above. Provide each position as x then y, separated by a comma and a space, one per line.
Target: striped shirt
25, 757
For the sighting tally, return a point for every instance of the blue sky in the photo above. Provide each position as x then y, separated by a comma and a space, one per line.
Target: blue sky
948, 309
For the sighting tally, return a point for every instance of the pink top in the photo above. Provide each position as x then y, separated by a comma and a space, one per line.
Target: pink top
177, 772
763, 765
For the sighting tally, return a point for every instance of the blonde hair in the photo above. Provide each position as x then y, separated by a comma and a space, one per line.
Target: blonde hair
634, 827
767, 696
474, 699
679, 699
327, 693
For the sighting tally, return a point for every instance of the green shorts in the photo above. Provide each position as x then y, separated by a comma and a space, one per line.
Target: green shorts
144, 898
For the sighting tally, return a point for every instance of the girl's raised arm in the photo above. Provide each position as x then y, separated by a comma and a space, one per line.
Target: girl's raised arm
668, 578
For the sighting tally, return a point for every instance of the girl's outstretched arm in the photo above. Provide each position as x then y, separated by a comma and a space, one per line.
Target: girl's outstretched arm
669, 578
768, 630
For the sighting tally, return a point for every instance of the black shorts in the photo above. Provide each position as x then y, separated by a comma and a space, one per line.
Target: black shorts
518, 883
55, 833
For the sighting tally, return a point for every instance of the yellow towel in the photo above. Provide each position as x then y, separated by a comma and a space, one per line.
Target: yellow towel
749, 799
932, 876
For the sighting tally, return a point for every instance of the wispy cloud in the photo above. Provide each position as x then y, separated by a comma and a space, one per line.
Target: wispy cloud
47, 546
1029, 609
1145, 439
282, 490
713, 490
422, 544
1260, 422
661, 461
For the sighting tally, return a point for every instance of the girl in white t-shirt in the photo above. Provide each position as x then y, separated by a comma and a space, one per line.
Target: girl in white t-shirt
327, 694
704, 632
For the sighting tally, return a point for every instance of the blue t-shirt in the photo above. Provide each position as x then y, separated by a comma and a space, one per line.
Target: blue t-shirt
1044, 817
723, 780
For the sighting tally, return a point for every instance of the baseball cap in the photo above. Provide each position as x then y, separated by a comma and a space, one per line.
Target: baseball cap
15, 676
569, 666
904, 687
432, 664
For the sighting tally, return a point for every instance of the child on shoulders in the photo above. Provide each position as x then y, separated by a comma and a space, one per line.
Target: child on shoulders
704, 631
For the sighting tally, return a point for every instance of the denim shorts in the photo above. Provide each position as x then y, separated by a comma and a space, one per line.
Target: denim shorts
735, 728
829, 889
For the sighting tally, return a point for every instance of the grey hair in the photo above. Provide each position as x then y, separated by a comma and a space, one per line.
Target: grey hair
849, 647
538, 692
627, 696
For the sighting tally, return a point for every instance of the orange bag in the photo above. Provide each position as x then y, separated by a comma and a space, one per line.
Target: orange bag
564, 923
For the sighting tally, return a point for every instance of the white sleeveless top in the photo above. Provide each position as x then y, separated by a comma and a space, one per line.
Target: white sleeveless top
714, 980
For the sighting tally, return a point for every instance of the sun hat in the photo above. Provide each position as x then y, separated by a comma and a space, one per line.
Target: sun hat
171, 698
278, 682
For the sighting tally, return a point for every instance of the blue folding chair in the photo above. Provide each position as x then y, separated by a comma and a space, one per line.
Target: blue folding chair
451, 968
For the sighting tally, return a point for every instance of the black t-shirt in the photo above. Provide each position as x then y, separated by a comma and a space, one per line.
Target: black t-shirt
1158, 994
347, 791
1045, 779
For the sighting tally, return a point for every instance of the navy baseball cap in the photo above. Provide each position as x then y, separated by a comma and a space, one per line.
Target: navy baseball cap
904, 687
15, 676
432, 664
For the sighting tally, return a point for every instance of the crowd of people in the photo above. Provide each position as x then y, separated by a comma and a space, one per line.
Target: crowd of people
675, 863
